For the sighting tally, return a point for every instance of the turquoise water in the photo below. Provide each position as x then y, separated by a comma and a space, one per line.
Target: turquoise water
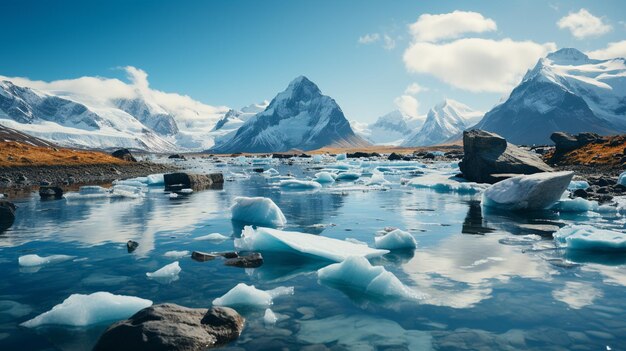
483, 290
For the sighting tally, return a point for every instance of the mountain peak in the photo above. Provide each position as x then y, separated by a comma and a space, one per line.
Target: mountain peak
568, 56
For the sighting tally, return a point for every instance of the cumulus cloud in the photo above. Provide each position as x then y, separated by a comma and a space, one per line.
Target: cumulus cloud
452, 25
475, 64
583, 24
369, 38
388, 42
613, 50
414, 89
407, 104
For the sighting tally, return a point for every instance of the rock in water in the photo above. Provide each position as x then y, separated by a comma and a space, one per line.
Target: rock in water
252, 260
528, 192
487, 155
50, 192
193, 181
7, 214
131, 245
124, 154
173, 328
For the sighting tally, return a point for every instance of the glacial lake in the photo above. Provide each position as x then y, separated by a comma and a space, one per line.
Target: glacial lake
484, 287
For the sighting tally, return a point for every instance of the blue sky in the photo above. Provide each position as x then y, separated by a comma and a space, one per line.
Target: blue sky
238, 52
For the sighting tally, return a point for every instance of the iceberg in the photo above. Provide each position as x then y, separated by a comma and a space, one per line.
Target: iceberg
155, 179
577, 184
348, 176
395, 240
176, 254
575, 205
357, 274
270, 317
445, 183
299, 184
122, 190
271, 172
169, 271
129, 182
36, 260
212, 237
273, 240
589, 238
257, 210
80, 310
377, 179
622, 179
248, 295
341, 157
537, 191
324, 177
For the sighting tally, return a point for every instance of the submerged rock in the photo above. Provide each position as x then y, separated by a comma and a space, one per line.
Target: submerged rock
488, 158
252, 260
131, 245
7, 214
124, 154
174, 328
203, 256
193, 181
50, 192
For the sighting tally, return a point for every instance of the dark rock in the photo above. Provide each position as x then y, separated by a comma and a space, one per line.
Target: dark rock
429, 156
50, 192
565, 142
251, 260
604, 198
283, 156
360, 154
258, 170
394, 157
581, 193
304, 156
603, 182
228, 254
203, 256
22, 179
7, 214
177, 156
45, 183
194, 181
131, 246
619, 188
124, 154
487, 153
603, 190
173, 328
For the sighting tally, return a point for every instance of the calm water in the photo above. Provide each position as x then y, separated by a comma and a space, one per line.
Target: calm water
482, 291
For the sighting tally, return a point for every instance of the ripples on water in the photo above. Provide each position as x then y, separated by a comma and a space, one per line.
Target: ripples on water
485, 287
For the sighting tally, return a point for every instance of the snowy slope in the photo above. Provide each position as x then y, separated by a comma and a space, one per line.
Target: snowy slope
565, 91
389, 129
443, 121
298, 118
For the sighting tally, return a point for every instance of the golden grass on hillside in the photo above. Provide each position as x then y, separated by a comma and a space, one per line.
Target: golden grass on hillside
15, 154
607, 153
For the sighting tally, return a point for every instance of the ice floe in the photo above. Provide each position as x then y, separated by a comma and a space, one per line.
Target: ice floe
270, 317
395, 240
324, 177
273, 240
80, 310
36, 260
528, 192
248, 295
155, 179
341, 157
578, 184
299, 184
168, 272
176, 254
348, 176
445, 183
589, 238
575, 205
357, 274
212, 237
257, 210
377, 179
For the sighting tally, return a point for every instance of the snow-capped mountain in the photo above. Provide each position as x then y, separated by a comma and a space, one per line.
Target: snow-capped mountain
565, 91
389, 129
70, 123
443, 121
151, 115
298, 118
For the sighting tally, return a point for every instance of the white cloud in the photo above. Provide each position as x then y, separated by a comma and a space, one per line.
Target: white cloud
583, 24
388, 42
369, 38
450, 25
414, 89
613, 50
407, 104
474, 64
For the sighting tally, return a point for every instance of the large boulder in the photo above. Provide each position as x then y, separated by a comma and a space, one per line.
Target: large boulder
124, 154
7, 214
488, 158
565, 142
193, 181
50, 192
173, 328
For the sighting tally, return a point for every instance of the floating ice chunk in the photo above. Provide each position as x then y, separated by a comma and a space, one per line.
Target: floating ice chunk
270, 317
317, 158
176, 254
126, 191
186, 191
36, 260
173, 195
575, 205
324, 177
356, 273
80, 310
92, 189
446, 184
622, 179
248, 295
257, 210
155, 179
395, 240
272, 240
377, 179
271, 172
586, 237
169, 271
348, 176
299, 184
355, 241
578, 184
528, 239
528, 192
129, 182
212, 237
341, 157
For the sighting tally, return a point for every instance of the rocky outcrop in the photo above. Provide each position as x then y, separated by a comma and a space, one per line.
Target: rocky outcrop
173, 328
7, 214
488, 158
124, 154
193, 181
565, 142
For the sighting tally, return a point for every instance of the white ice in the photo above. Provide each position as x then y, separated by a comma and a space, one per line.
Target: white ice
186, 191
248, 295
271, 172
169, 271
356, 273
528, 192
273, 240
80, 310
299, 184
341, 157
395, 240
575, 205
212, 237
155, 179
442, 182
348, 176
172, 195
257, 210
578, 184
324, 177
36, 260
622, 179
589, 238
270, 317
377, 179
176, 254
